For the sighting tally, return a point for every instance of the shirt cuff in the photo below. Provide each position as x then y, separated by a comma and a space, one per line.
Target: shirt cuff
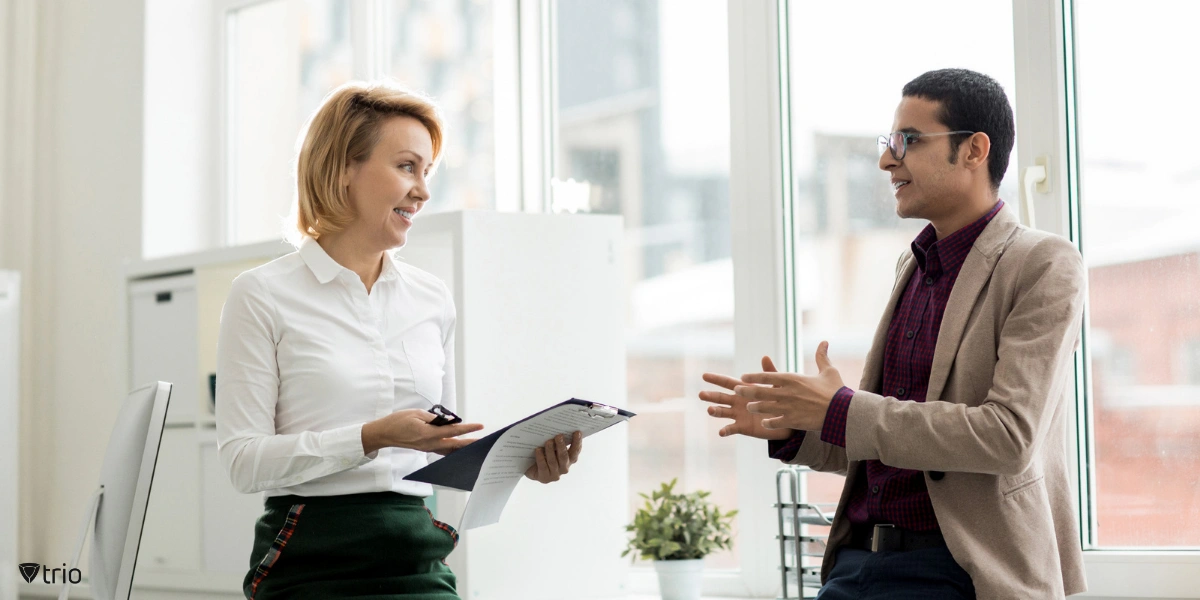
345, 445
785, 450
833, 430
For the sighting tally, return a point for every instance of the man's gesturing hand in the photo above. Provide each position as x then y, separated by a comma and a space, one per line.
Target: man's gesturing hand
732, 406
789, 401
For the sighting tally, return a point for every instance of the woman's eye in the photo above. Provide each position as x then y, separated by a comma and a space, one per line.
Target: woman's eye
407, 167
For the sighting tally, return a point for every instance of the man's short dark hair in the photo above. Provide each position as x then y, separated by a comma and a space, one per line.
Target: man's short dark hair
970, 102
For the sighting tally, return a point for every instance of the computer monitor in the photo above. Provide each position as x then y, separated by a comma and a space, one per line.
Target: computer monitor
125, 479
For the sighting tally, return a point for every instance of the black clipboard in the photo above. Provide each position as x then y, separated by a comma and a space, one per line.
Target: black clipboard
460, 469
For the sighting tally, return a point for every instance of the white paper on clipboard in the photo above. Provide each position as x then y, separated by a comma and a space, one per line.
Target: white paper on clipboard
512, 454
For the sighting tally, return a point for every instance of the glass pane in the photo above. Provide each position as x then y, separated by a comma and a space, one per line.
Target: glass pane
1139, 206
643, 114
284, 56
444, 48
847, 72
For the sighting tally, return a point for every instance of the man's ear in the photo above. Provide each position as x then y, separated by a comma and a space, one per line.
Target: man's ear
977, 148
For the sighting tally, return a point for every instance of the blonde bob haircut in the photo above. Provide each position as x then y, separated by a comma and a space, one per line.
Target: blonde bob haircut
343, 132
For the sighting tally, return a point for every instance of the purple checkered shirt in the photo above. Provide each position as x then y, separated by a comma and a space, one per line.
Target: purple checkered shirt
888, 494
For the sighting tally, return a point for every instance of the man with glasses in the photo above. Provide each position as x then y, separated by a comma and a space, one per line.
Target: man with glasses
954, 445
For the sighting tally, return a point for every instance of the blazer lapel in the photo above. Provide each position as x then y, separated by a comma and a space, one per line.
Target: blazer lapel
974, 274
872, 378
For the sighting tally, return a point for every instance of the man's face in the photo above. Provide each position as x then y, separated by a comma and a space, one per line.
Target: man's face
927, 185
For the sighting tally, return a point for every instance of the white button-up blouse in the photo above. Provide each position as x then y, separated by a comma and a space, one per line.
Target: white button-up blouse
306, 356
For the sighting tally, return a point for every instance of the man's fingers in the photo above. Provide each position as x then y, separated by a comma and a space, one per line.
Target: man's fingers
724, 381
776, 423
721, 412
774, 379
823, 357
759, 393
768, 365
719, 398
765, 407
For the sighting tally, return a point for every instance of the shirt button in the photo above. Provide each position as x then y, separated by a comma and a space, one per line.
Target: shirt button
909, 335
928, 281
874, 489
899, 391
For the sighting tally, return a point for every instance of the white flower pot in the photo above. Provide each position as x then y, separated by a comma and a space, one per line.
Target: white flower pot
680, 579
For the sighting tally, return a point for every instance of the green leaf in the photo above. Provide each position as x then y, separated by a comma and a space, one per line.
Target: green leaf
673, 525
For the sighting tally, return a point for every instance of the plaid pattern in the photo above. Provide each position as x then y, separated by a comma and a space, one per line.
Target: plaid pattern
444, 527
887, 494
281, 540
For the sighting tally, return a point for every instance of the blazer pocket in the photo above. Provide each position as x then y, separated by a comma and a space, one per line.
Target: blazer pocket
1023, 486
426, 360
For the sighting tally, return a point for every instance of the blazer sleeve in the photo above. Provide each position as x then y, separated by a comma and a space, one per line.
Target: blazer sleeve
1002, 435
820, 456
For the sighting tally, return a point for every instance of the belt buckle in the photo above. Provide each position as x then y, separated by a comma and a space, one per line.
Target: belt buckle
875, 535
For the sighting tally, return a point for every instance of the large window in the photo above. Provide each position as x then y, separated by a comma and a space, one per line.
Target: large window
284, 56
643, 131
1139, 203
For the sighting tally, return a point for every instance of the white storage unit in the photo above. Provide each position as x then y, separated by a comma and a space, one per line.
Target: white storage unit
540, 319
162, 330
10, 376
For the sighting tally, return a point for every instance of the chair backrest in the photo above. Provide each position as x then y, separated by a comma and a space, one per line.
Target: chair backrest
125, 476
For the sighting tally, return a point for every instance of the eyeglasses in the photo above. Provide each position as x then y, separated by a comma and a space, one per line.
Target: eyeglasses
897, 141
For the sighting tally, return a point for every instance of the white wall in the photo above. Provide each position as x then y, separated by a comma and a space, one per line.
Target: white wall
72, 196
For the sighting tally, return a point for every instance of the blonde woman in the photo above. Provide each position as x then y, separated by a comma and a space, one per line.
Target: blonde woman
330, 359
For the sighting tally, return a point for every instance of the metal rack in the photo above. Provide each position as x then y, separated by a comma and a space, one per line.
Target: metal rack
800, 552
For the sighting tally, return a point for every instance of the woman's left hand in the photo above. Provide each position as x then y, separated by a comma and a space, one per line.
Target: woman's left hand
553, 460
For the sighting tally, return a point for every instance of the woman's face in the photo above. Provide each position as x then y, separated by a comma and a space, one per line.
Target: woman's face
389, 187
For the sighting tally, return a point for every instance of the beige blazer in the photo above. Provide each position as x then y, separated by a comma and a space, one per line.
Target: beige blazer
995, 418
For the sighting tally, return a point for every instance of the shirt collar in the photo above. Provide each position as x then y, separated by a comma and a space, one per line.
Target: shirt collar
946, 255
326, 269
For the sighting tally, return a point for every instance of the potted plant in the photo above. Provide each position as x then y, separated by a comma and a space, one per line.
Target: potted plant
677, 531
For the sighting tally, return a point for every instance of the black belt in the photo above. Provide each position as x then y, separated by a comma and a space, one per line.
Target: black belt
879, 538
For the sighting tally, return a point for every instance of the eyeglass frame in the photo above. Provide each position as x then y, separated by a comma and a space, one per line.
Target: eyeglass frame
885, 141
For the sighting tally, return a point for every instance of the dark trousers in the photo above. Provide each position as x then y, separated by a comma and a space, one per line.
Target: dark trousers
361, 546
928, 574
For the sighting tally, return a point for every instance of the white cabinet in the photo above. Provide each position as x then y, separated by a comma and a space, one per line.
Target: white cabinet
163, 340
171, 533
227, 516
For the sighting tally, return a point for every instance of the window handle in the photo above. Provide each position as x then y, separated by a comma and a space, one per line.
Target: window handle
1034, 178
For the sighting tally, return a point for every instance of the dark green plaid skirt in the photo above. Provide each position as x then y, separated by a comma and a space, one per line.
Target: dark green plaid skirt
363, 546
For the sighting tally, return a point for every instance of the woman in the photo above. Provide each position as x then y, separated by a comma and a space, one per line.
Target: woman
329, 360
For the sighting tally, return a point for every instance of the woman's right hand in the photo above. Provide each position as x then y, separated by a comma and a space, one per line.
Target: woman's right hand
410, 428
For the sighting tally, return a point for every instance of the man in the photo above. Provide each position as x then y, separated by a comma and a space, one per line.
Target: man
954, 443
